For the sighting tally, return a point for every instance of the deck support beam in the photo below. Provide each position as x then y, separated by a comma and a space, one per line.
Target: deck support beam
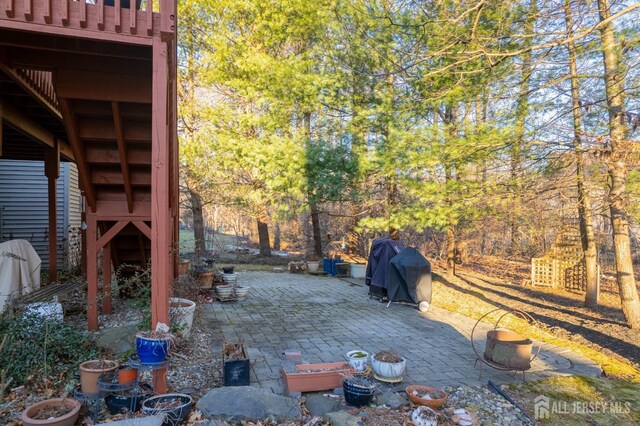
92, 271
161, 233
52, 172
106, 279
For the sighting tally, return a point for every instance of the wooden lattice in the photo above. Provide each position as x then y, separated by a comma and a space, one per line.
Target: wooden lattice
563, 265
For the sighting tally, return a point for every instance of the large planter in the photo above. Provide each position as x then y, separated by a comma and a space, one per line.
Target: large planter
315, 377
68, 419
508, 349
205, 279
358, 270
390, 371
181, 314
153, 350
358, 360
313, 266
175, 407
90, 372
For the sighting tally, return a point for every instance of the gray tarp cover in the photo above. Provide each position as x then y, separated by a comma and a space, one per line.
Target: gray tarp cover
409, 278
382, 251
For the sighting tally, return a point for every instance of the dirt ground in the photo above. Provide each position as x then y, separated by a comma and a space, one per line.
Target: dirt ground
560, 312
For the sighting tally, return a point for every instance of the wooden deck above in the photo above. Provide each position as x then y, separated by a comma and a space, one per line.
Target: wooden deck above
98, 21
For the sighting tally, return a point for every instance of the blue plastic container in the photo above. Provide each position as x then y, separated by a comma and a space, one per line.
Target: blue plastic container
329, 265
152, 351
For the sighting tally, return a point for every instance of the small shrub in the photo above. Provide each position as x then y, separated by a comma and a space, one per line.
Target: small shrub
40, 351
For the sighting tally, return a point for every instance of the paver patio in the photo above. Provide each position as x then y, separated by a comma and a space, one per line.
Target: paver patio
326, 317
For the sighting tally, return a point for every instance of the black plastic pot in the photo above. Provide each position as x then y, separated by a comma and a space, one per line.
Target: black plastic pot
357, 399
359, 385
228, 269
174, 415
129, 401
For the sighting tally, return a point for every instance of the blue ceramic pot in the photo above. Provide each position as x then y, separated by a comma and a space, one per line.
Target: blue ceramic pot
152, 350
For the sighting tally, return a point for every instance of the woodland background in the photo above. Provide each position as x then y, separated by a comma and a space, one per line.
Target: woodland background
475, 128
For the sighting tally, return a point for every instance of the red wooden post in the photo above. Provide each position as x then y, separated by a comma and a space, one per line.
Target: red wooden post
160, 214
106, 279
92, 272
52, 171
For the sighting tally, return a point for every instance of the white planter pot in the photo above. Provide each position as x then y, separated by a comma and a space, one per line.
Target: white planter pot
313, 266
358, 270
241, 292
225, 291
230, 278
424, 416
358, 363
388, 370
182, 316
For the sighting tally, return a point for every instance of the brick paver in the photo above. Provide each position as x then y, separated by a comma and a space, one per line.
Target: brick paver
326, 317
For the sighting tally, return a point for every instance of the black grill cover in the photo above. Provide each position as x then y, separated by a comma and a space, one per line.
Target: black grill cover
409, 278
382, 251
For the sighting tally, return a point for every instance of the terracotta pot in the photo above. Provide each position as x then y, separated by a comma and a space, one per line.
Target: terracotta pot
183, 266
89, 374
325, 376
127, 374
67, 419
421, 390
206, 279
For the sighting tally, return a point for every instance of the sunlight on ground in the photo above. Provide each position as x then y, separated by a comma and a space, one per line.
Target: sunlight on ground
474, 307
580, 400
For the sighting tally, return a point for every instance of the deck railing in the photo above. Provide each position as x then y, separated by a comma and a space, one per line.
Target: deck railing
154, 17
40, 82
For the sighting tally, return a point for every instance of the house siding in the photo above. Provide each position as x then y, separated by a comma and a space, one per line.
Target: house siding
24, 205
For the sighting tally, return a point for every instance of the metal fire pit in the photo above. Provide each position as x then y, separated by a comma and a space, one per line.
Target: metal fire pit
507, 350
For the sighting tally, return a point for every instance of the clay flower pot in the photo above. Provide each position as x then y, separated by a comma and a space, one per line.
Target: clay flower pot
426, 395
127, 374
90, 372
71, 406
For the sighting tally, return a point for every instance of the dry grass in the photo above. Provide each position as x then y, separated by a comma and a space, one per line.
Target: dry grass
475, 307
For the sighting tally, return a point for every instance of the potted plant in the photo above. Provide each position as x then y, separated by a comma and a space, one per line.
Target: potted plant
175, 407
153, 346
424, 416
388, 365
313, 264
358, 360
127, 374
90, 372
315, 377
241, 291
52, 412
358, 391
181, 314
426, 395
128, 401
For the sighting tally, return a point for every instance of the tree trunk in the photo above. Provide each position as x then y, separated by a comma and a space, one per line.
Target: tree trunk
198, 223
263, 237
450, 120
276, 236
584, 203
522, 110
617, 169
451, 251
315, 225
